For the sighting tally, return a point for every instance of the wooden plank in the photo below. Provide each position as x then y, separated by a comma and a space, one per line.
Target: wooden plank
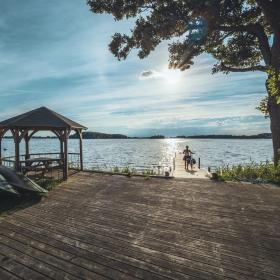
118, 213
121, 228
217, 233
21, 271
6, 275
162, 235
56, 262
146, 262
88, 260
34, 264
246, 263
187, 261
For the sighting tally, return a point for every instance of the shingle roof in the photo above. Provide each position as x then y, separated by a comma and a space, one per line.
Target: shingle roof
41, 118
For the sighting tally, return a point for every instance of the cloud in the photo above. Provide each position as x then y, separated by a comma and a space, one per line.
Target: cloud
62, 63
247, 125
149, 74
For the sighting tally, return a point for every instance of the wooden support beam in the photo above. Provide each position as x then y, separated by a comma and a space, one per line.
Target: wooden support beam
1, 136
17, 155
22, 134
26, 139
2, 133
66, 133
32, 133
61, 149
18, 135
0, 150
60, 135
81, 149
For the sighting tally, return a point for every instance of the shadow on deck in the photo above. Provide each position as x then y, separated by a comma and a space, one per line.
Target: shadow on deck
9, 204
98, 226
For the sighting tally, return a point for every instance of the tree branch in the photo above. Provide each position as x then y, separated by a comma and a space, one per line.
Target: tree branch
258, 31
247, 69
271, 10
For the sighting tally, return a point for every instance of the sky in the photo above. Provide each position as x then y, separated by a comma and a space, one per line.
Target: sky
55, 54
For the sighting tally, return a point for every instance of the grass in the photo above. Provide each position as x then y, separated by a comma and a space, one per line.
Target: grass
132, 171
48, 184
253, 172
127, 171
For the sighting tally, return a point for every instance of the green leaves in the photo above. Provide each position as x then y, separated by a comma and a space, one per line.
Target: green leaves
256, 173
226, 29
273, 84
263, 107
121, 45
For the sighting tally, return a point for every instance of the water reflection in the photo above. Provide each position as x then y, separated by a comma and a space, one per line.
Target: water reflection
148, 154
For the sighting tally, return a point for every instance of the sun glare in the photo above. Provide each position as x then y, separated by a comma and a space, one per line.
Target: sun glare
172, 76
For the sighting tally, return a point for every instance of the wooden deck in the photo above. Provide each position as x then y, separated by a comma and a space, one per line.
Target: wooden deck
180, 172
98, 226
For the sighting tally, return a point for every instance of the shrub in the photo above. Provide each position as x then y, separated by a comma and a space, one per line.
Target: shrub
48, 184
116, 170
128, 172
253, 172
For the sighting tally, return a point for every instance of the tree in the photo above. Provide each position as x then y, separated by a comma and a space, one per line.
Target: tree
242, 35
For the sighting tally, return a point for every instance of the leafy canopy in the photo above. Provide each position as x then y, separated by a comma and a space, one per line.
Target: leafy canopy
238, 33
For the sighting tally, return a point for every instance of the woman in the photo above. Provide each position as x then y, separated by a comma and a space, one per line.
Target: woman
188, 158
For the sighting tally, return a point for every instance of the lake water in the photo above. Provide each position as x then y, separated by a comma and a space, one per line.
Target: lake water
144, 154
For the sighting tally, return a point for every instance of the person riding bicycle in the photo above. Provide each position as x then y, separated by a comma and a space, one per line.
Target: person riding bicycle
189, 160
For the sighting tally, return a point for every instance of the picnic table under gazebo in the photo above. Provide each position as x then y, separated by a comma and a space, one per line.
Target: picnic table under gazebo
24, 126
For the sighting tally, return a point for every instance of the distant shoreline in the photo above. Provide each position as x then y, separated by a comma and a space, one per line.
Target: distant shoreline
97, 135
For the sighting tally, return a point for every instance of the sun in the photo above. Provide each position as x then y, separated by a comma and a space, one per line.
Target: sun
172, 76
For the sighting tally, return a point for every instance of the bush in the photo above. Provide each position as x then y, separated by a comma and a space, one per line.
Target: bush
48, 184
253, 172
149, 172
128, 172
116, 170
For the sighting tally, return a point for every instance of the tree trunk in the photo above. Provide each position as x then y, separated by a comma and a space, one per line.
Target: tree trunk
273, 107
274, 112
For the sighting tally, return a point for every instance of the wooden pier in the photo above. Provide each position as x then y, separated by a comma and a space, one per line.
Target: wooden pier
180, 172
98, 226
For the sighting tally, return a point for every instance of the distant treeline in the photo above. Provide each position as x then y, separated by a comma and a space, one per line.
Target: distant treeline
258, 136
99, 135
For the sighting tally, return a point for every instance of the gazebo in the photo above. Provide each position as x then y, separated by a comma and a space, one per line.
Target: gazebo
24, 126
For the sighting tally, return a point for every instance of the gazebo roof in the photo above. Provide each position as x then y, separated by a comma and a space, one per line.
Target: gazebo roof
41, 118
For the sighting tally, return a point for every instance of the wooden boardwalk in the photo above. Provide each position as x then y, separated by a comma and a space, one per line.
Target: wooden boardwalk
98, 226
180, 172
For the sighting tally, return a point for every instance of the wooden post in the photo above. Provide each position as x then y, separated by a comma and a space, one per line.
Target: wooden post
198, 163
2, 133
17, 157
61, 146
26, 139
0, 148
81, 149
65, 164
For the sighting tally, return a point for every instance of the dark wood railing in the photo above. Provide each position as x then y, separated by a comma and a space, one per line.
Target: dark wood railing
54, 164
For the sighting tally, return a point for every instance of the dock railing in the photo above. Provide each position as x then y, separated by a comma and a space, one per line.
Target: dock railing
52, 169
